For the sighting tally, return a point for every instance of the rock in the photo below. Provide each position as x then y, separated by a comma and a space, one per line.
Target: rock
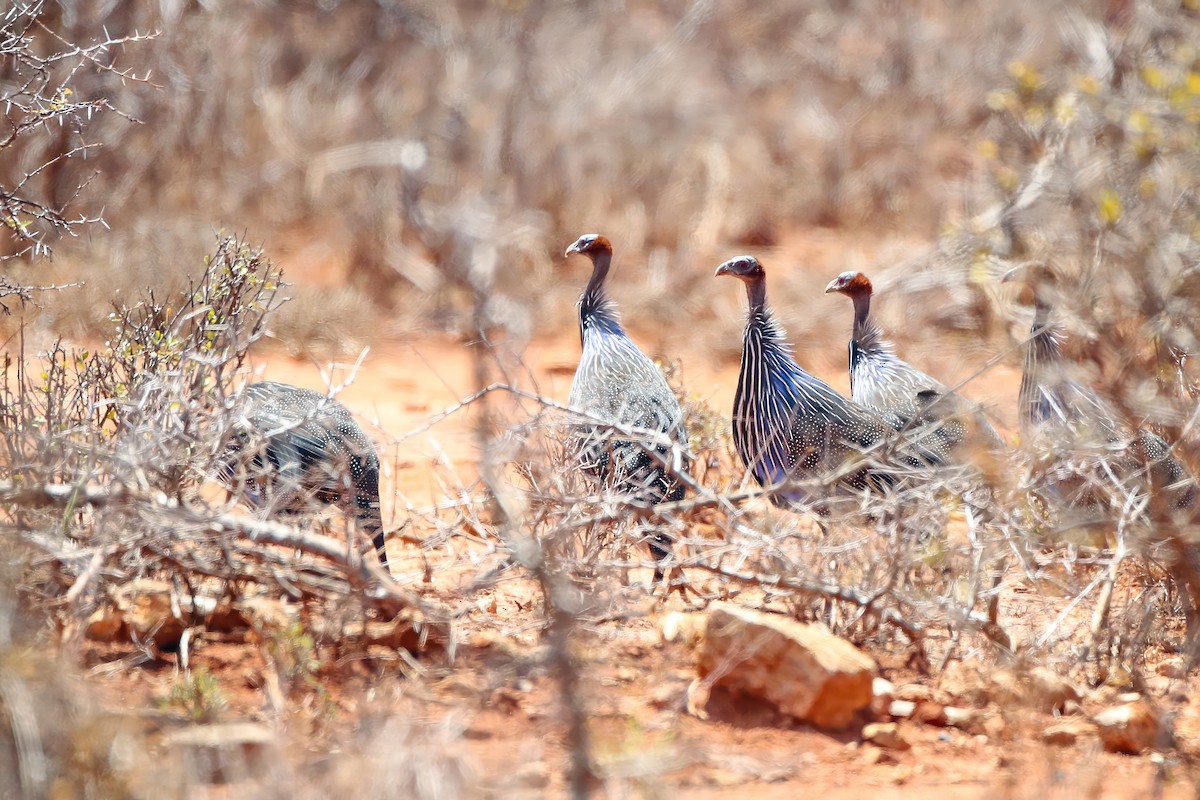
153, 616
873, 756
931, 714
106, 625
407, 630
1173, 667
697, 698
965, 719
666, 695
149, 610
1129, 728
885, 735
266, 613
966, 684
902, 709
882, 695
677, 626
1066, 732
994, 727
804, 670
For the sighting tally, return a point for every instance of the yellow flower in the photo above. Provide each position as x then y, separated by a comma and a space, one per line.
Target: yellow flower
1108, 206
1154, 77
1027, 77
1139, 122
1064, 108
1086, 84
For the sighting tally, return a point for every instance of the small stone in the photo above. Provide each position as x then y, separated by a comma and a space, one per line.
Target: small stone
994, 726
882, 695
677, 626
1066, 732
667, 695
873, 756
1129, 728
885, 735
931, 713
902, 709
1173, 667
966, 719
105, 625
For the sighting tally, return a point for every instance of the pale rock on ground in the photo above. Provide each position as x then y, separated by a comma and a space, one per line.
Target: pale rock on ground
886, 735
1130, 728
804, 670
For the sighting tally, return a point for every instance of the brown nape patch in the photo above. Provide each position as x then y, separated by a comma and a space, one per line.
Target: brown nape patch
859, 283
600, 245
1027, 295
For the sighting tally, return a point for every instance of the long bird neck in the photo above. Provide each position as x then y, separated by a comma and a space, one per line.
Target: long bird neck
866, 333
595, 309
762, 332
1042, 356
756, 293
1044, 338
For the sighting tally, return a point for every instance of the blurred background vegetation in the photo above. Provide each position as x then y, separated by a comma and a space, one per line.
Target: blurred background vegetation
365, 141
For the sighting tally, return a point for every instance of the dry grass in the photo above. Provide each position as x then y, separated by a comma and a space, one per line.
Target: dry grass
443, 153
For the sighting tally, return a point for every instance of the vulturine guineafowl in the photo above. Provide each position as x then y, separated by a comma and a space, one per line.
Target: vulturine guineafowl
295, 446
789, 426
1077, 427
883, 382
618, 384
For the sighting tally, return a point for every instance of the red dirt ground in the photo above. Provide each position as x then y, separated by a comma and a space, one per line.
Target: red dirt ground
635, 683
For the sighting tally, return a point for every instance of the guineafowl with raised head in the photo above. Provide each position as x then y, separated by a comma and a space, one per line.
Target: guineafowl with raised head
617, 384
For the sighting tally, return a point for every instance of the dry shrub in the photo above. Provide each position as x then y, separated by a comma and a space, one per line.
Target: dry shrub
682, 126
327, 324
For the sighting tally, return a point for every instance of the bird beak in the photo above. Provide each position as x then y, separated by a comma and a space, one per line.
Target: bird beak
1014, 274
833, 286
721, 270
572, 249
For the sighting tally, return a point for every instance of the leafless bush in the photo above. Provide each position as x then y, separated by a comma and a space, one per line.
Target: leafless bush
121, 439
682, 125
48, 123
1092, 163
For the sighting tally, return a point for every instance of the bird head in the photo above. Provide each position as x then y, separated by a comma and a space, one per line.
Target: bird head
1033, 278
850, 284
746, 268
590, 245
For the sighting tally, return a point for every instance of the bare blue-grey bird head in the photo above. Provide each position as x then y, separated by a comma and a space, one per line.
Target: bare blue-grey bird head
616, 383
886, 384
788, 425
1081, 424
595, 309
